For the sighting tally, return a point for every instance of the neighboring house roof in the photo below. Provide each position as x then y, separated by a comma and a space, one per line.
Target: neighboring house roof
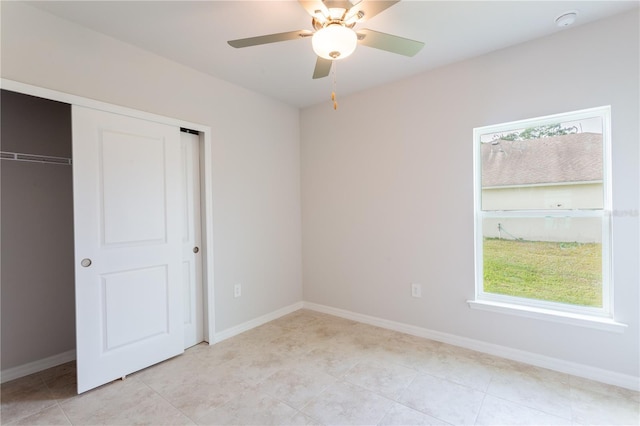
575, 157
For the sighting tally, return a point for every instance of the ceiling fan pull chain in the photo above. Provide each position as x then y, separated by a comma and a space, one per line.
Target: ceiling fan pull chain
333, 93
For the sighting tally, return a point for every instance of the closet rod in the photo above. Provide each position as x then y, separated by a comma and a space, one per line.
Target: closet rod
34, 158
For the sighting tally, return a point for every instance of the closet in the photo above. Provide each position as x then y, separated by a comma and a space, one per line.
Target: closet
103, 260
37, 231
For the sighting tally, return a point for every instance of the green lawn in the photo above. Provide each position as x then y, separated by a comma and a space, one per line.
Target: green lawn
558, 272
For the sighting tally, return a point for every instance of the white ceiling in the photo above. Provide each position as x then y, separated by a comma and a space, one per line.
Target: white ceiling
196, 33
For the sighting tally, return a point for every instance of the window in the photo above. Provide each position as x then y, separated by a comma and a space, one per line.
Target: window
543, 213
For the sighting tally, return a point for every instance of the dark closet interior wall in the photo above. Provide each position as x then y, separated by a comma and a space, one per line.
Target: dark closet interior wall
37, 261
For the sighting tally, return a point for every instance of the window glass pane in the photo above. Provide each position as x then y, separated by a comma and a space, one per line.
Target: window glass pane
555, 259
550, 167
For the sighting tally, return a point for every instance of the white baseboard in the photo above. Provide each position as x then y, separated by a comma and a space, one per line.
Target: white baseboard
36, 366
256, 322
52, 361
575, 369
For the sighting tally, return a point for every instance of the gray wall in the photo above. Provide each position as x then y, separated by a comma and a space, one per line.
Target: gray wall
37, 277
387, 199
255, 147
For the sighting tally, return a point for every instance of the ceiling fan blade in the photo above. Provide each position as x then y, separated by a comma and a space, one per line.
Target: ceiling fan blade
339, 4
323, 67
369, 8
271, 38
313, 6
388, 42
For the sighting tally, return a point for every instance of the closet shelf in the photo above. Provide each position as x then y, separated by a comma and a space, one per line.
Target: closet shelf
34, 158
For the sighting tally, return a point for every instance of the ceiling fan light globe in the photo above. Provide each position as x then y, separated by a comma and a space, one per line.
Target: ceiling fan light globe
334, 41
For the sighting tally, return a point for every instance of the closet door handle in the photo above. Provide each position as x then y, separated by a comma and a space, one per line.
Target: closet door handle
196, 249
86, 262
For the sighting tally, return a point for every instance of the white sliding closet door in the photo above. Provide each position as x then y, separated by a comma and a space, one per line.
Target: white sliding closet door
128, 244
191, 241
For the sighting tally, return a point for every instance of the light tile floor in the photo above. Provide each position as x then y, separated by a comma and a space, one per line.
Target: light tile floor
308, 368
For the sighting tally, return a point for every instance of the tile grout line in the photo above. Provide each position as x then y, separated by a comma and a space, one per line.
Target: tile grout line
64, 413
141, 380
484, 396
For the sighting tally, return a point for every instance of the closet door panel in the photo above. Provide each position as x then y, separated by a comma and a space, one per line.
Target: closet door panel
127, 203
191, 241
143, 220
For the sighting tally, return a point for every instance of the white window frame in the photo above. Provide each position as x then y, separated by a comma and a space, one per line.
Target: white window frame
539, 308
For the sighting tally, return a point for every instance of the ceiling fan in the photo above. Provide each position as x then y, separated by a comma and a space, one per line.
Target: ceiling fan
334, 37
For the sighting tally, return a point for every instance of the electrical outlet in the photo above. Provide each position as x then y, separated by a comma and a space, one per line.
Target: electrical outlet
416, 290
237, 290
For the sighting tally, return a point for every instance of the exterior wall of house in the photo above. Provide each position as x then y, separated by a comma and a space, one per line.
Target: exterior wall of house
255, 156
388, 199
577, 196
542, 197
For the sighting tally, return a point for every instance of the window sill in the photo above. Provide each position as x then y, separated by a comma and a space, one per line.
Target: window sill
605, 324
